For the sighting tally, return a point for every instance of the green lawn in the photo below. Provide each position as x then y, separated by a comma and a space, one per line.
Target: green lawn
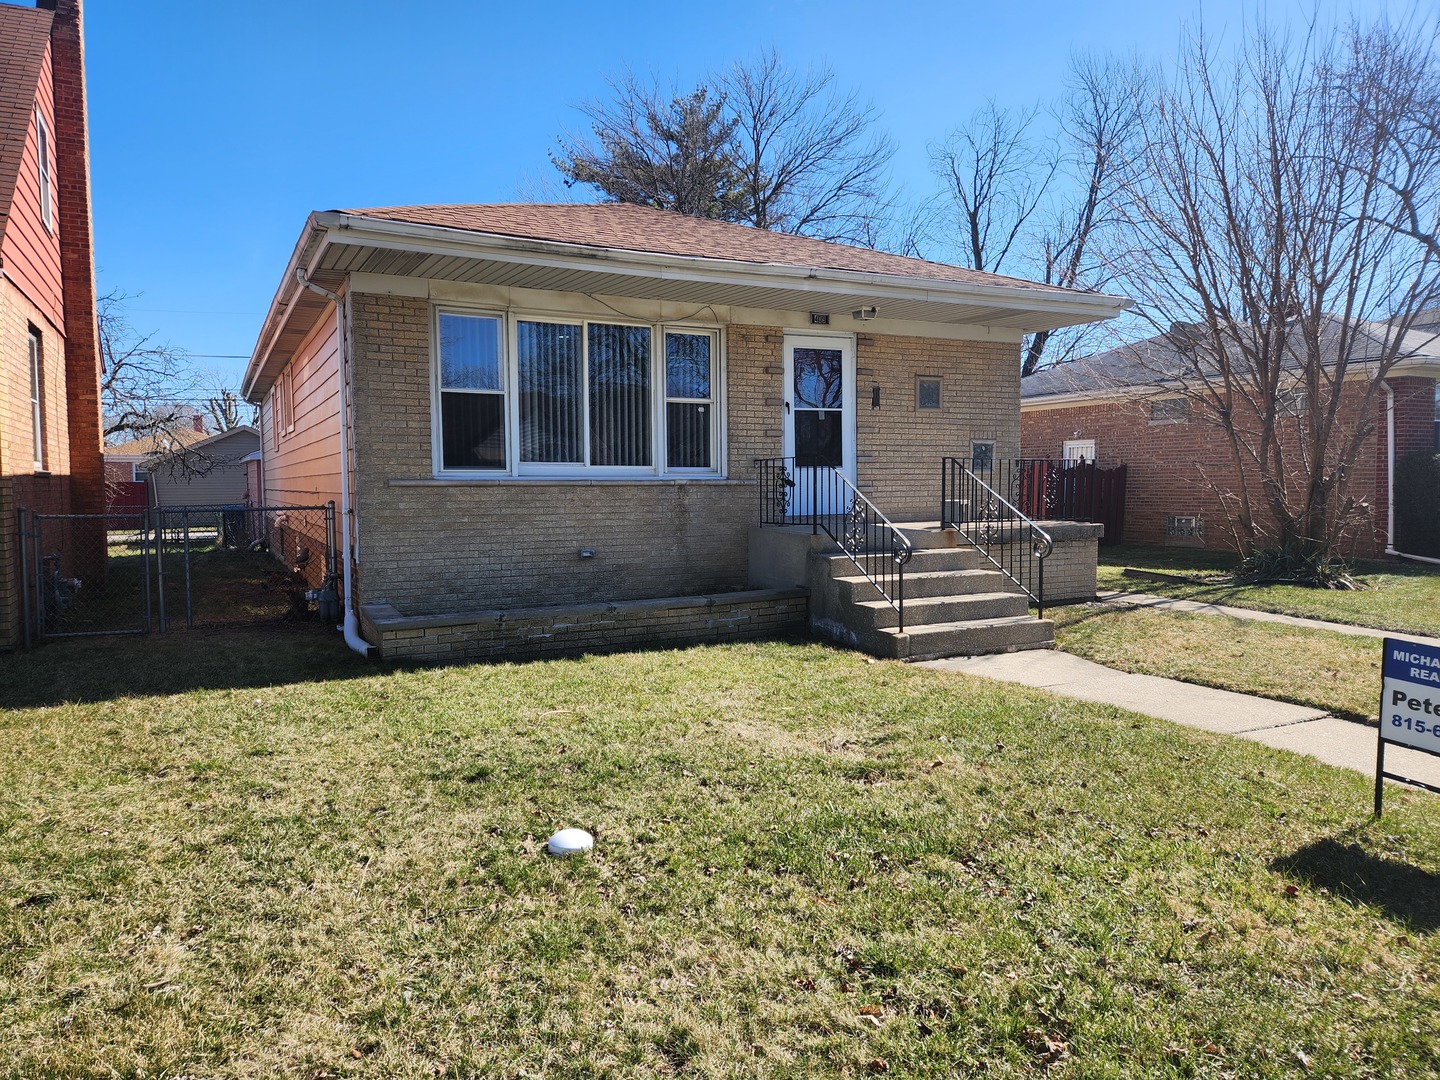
1399, 596
1339, 673
255, 855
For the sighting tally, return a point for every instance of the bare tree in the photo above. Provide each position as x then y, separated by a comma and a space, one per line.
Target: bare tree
995, 174
146, 388
1098, 124
670, 152
809, 158
1267, 239
755, 144
226, 411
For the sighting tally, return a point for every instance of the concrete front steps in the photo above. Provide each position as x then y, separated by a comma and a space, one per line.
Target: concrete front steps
956, 604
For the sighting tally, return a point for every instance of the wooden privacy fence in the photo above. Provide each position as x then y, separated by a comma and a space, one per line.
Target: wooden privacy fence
1052, 490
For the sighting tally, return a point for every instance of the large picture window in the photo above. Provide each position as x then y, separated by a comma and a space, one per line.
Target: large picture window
574, 396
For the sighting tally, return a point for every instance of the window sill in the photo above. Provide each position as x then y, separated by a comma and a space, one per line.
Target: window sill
560, 481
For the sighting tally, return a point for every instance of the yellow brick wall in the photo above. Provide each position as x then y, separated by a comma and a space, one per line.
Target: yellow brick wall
20, 485
428, 546
899, 446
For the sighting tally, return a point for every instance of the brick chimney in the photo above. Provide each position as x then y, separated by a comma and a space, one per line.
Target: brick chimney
77, 256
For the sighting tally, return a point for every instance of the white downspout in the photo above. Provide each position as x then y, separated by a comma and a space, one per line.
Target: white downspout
351, 625
1389, 469
1390, 482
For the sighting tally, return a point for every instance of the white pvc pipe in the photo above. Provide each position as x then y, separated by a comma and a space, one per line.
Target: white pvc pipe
351, 625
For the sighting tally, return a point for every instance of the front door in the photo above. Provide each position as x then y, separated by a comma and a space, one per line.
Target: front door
819, 430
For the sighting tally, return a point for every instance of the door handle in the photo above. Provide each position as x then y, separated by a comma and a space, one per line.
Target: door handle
787, 406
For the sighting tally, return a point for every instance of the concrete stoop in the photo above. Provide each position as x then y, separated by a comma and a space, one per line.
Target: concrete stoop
956, 604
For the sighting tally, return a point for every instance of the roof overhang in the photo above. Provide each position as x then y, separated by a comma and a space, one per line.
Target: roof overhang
334, 245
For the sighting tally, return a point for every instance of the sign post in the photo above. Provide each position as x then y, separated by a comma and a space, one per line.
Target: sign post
1409, 708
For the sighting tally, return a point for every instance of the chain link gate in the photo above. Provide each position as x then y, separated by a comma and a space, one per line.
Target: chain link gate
169, 568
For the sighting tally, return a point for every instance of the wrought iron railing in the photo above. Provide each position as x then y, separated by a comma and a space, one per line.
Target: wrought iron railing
1009, 540
824, 499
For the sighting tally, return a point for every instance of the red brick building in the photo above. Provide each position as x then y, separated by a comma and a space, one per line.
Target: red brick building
50, 457
1124, 407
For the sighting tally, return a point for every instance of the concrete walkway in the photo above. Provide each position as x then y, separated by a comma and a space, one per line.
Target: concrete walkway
1274, 723
1167, 603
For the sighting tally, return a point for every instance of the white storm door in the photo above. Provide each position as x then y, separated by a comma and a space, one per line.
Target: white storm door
819, 421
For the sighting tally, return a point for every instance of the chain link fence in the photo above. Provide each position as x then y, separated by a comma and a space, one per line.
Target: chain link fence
173, 568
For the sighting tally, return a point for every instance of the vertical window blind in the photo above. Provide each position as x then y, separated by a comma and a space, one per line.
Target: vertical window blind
585, 395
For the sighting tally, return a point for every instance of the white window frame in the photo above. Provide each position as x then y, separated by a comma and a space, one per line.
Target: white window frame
658, 469
1070, 445
42, 152
36, 345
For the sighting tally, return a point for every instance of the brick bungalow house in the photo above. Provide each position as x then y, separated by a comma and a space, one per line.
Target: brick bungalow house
1126, 406
552, 418
50, 459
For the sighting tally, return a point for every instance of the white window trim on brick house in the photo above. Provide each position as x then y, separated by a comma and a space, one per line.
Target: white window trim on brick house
658, 470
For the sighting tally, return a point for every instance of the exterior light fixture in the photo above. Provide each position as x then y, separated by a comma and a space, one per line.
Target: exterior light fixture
875, 396
864, 314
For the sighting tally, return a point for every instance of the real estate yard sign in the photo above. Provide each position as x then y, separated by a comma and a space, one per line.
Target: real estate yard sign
1409, 706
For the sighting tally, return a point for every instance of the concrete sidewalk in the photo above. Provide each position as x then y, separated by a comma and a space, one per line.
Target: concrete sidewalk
1168, 603
1274, 723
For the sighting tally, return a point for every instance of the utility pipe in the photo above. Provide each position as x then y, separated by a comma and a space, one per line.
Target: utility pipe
351, 625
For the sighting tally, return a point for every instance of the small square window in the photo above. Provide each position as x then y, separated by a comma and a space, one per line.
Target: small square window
1170, 411
927, 393
982, 455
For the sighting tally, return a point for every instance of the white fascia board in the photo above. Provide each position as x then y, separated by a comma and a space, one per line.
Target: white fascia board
280, 308
440, 240
1095, 397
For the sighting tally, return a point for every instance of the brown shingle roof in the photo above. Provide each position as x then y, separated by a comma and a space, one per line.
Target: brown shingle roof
640, 228
164, 442
24, 33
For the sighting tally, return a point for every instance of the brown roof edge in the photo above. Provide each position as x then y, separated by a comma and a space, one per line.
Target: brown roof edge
628, 227
26, 34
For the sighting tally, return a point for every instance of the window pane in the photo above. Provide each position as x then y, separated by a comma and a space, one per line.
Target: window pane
817, 439
982, 456
687, 435
817, 379
469, 353
619, 395
472, 431
687, 365
552, 423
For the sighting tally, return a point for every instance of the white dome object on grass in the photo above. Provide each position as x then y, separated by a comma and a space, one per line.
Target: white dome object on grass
570, 842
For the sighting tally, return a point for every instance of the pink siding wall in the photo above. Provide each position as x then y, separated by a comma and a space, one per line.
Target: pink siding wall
30, 254
303, 467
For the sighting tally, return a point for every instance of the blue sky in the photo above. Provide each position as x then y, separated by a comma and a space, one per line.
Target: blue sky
216, 127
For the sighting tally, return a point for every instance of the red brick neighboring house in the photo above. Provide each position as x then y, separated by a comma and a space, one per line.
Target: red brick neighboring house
50, 430
1121, 407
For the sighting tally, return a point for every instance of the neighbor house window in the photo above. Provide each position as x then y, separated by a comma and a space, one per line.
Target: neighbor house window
579, 395
42, 138
1170, 411
37, 398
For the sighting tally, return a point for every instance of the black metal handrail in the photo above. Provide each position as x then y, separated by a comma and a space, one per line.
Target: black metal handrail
824, 499
1009, 540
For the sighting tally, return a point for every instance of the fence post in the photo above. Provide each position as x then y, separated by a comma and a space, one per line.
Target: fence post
185, 546
331, 569
160, 568
24, 579
35, 547
145, 563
